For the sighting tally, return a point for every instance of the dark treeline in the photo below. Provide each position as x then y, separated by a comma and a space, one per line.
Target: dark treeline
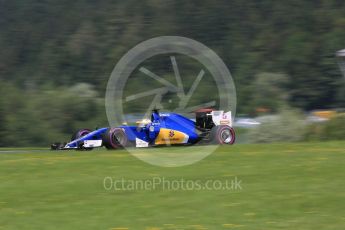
267, 44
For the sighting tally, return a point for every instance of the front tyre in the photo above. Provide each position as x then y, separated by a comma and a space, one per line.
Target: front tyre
224, 135
80, 133
115, 138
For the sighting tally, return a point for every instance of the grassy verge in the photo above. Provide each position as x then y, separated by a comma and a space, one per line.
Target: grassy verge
283, 186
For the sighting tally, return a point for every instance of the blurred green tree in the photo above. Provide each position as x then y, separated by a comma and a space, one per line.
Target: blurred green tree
269, 91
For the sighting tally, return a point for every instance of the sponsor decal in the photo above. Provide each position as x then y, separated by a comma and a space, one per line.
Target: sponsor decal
92, 143
171, 133
140, 143
169, 136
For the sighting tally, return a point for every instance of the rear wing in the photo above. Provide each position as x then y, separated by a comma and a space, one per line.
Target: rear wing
221, 118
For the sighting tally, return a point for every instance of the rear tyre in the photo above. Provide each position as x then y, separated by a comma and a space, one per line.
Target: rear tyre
223, 135
80, 133
115, 138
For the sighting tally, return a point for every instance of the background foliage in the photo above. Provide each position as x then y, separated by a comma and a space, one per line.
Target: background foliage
287, 126
279, 53
331, 130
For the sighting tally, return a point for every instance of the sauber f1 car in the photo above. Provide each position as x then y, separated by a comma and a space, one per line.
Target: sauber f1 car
162, 129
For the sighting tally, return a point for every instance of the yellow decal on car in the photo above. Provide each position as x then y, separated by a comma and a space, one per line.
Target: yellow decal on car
170, 136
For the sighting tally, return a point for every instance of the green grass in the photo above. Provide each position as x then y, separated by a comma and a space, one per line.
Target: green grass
284, 186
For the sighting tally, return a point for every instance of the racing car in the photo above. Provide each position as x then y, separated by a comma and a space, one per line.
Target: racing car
209, 126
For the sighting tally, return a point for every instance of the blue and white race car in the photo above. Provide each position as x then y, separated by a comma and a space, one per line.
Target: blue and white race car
162, 129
